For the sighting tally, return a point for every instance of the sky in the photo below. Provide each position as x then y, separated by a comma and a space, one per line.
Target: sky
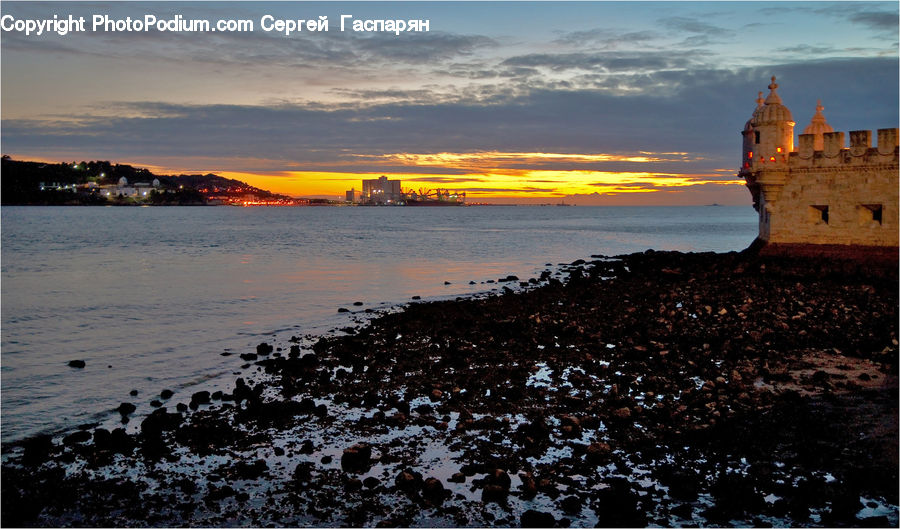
609, 103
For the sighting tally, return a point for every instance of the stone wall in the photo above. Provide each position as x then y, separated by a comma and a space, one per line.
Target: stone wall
837, 196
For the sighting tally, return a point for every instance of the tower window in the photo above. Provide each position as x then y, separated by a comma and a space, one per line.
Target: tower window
757, 136
818, 214
869, 213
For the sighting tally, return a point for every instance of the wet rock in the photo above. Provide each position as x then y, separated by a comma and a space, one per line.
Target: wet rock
79, 364
37, 449
219, 493
494, 493
571, 504
371, 482
357, 303
433, 490
598, 453
244, 470
126, 408
133, 393
528, 488
623, 413
200, 397
408, 480
342, 309
532, 518
264, 349
457, 477
76, 438
166, 394
357, 458
306, 447
249, 357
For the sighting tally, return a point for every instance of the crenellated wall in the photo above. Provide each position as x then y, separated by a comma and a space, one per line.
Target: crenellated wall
836, 196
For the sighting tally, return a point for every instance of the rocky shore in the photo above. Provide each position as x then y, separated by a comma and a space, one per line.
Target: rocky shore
650, 389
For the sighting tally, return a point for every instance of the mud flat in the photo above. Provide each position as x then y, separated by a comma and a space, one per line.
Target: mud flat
651, 389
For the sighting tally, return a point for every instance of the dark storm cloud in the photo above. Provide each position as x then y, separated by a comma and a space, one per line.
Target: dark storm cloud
701, 112
877, 20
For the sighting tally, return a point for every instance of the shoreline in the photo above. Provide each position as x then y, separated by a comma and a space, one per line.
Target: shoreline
627, 401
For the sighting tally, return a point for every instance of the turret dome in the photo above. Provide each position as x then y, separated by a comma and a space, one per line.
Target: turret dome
773, 110
752, 121
818, 125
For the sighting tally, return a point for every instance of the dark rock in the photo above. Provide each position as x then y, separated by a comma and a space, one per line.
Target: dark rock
249, 357
182, 407
166, 394
357, 303
37, 449
76, 438
244, 470
306, 447
408, 480
433, 490
494, 493
458, 477
417, 297
357, 458
133, 393
371, 482
76, 363
155, 403
598, 453
528, 487
342, 309
126, 408
571, 504
264, 349
532, 518
200, 397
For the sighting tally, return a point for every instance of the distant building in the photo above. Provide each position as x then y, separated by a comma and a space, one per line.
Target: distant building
824, 197
381, 191
353, 196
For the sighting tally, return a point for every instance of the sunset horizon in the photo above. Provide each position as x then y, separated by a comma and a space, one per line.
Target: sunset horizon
604, 103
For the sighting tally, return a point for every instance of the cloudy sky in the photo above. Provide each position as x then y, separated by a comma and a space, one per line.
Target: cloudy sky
589, 102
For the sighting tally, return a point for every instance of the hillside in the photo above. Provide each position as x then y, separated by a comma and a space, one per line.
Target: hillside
79, 183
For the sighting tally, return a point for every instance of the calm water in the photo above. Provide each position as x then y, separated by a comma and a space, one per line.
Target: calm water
150, 297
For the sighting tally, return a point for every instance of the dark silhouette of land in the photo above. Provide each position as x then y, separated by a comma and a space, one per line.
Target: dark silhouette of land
87, 183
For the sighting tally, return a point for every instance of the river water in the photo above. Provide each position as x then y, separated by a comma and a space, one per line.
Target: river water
150, 298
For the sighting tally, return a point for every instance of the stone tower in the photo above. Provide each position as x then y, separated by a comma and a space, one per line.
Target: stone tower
825, 197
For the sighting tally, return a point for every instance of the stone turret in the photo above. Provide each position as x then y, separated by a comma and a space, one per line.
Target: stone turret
775, 126
818, 127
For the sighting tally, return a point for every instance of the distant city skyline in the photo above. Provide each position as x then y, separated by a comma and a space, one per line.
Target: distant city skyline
619, 103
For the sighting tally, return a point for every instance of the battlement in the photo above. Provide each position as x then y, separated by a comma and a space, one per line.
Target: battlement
860, 146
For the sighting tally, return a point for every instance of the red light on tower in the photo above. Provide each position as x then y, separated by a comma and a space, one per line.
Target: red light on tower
771, 158
750, 155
